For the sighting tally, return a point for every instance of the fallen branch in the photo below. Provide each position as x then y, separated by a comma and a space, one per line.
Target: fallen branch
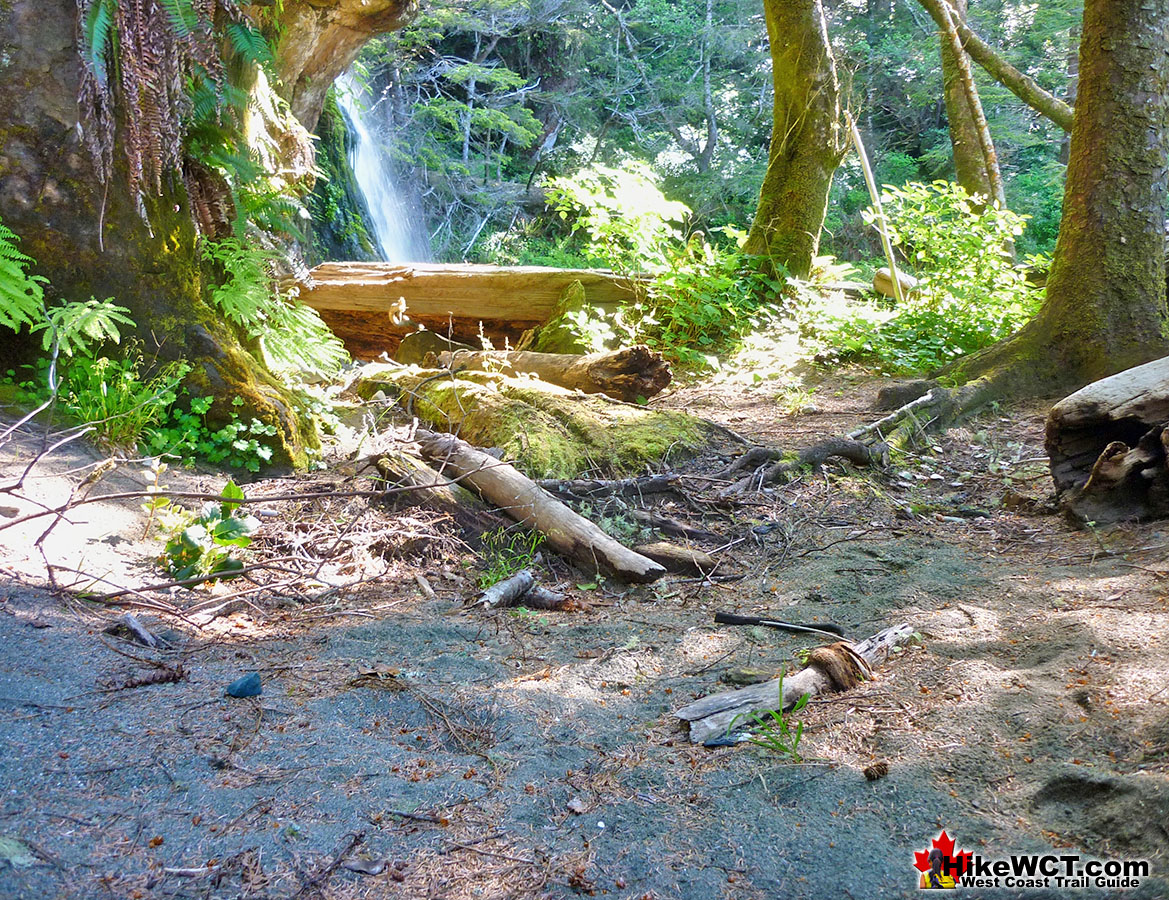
714, 716
523, 500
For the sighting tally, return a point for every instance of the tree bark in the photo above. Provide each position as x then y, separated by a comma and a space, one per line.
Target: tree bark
1105, 309
90, 240
807, 137
969, 163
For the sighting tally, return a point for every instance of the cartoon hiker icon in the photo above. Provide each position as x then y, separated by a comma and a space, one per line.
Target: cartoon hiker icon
935, 877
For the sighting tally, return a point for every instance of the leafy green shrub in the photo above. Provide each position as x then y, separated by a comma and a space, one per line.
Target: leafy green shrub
702, 297
186, 434
970, 292
203, 547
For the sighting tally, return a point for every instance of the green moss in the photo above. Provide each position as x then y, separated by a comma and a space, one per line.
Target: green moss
546, 431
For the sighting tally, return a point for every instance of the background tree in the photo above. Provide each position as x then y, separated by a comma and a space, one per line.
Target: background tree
1106, 296
807, 136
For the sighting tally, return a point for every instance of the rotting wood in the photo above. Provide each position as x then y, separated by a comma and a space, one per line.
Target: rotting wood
518, 497
601, 487
630, 374
434, 491
1108, 445
712, 717
883, 283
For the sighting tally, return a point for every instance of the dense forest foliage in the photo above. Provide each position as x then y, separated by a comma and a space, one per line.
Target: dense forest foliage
479, 103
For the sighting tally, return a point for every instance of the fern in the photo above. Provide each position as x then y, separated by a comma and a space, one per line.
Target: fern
299, 341
249, 44
78, 327
243, 296
182, 15
22, 296
292, 337
100, 31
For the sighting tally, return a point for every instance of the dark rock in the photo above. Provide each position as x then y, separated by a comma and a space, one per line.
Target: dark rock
248, 686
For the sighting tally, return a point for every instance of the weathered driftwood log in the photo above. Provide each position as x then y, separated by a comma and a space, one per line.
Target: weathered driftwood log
681, 560
629, 374
521, 589
400, 469
547, 430
1109, 446
522, 500
713, 716
363, 302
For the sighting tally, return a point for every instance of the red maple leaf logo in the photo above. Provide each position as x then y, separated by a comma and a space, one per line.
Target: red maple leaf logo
944, 843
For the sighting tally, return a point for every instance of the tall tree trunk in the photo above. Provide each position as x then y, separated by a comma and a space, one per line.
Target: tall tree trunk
807, 136
1106, 306
969, 162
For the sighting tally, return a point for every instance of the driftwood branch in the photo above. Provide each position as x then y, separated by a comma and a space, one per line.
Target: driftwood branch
713, 716
813, 458
518, 497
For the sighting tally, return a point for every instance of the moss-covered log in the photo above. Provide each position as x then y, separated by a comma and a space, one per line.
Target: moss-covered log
548, 431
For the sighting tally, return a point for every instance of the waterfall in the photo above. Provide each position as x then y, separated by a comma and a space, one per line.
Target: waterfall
396, 220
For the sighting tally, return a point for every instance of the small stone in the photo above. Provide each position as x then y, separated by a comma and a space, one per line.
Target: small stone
576, 805
248, 686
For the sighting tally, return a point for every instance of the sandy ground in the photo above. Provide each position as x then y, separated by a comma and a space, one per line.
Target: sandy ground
537, 753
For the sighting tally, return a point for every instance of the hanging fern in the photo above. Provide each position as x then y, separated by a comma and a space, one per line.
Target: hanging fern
22, 296
249, 43
160, 64
292, 336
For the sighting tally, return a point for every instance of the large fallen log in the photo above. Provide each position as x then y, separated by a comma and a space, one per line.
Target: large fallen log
371, 306
712, 717
549, 431
1108, 445
630, 374
524, 501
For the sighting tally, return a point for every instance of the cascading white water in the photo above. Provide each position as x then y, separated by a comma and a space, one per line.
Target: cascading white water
399, 235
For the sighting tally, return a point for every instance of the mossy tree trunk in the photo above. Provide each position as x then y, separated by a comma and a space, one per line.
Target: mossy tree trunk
969, 162
1106, 302
807, 136
89, 238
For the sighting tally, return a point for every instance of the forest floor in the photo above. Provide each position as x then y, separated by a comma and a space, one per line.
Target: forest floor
537, 753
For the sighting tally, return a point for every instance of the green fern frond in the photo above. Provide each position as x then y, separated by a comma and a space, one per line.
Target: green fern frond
78, 327
300, 342
99, 36
182, 15
244, 296
22, 296
249, 43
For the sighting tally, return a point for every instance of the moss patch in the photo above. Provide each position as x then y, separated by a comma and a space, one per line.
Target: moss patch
547, 431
